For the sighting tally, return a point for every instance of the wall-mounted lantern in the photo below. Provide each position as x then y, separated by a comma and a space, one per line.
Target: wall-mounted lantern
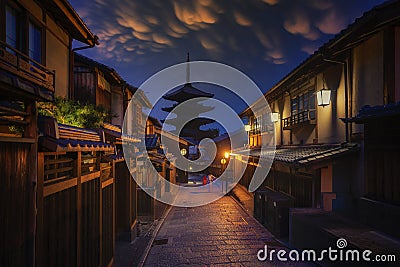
323, 97
226, 155
247, 127
274, 116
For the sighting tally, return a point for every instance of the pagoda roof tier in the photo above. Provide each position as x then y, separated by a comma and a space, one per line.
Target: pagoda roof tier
185, 93
198, 108
193, 123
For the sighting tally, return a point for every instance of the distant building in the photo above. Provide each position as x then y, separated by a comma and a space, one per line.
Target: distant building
192, 116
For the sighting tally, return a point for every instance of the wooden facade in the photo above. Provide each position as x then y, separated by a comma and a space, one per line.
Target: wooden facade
94, 83
322, 159
28, 75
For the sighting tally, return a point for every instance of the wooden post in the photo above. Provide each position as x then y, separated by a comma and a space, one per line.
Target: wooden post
113, 206
78, 209
40, 206
31, 132
100, 221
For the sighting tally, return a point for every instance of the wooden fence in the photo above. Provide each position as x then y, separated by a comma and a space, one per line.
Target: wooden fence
15, 205
75, 220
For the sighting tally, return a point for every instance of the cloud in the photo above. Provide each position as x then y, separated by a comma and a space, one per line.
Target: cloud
160, 39
207, 43
321, 5
309, 48
151, 19
258, 33
142, 36
271, 2
275, 56
331, 23
194, 15
299, 23
279, 61
262, 37
241, 19
133, 23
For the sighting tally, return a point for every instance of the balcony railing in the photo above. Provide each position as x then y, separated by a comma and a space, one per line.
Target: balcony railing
299, 119
21, 65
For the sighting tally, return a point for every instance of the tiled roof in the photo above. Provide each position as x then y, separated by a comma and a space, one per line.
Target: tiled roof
186, 92
376, 112
60, 137
112, 127
305, 155
130, 138
115, 157
69, 145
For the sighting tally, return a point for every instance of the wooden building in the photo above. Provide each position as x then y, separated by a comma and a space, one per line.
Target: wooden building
97, 84
100, 85
147, 205
35, 65
319, 160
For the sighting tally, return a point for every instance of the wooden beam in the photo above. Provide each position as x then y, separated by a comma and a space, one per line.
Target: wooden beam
90, 176
58, 187
107, 183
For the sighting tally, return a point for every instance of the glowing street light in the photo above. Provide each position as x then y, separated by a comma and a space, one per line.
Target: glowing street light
183, 151
226, 155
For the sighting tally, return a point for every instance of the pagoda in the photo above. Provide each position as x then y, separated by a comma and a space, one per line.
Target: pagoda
191, 130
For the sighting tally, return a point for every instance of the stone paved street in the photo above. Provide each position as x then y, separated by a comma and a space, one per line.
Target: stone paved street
218, 234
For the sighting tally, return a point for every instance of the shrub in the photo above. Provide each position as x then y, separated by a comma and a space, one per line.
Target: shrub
74, 113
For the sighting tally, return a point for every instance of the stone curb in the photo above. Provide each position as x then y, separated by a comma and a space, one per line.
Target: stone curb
154, 235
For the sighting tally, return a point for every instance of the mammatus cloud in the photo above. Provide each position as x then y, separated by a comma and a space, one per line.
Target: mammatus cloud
299, 23
332, 22
241, 19
276, 57
309, 48
195, 14
257, 33
271, 2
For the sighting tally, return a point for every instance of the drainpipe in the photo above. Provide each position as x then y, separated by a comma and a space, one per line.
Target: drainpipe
346, 93
71, 64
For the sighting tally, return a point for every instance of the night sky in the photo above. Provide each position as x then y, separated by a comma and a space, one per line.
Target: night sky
265, 39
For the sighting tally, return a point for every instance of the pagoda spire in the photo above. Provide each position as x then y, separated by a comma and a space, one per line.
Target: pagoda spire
187, 69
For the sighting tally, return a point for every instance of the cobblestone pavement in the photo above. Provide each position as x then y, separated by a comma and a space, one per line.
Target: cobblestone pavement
217, 234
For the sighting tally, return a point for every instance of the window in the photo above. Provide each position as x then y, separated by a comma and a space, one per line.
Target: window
24, 37
35, 42
12, 27
304, 102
